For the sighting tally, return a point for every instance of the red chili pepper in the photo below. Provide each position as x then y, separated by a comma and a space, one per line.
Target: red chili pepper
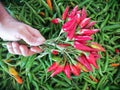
117, 50
88, 32
54, 52
90, 24
73, 12
58, 70
78, 37
82, 42
53, 66
84, 14
84, 62
92, 60
82, 47
70, 28
69, 25
84, 22
78, 67
55, 21
71, 33
78, 16
74, 70
95, 54
67, 71
65, 13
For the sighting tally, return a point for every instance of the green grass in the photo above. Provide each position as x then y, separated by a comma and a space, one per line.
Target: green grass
34, 70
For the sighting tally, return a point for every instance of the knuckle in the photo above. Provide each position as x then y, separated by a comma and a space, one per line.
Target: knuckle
21, 27
9, 44
15, 44
22, 46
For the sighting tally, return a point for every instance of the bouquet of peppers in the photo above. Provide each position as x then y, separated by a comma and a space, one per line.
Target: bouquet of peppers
73, 50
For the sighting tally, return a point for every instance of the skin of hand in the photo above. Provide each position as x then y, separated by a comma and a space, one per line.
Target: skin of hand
12, 30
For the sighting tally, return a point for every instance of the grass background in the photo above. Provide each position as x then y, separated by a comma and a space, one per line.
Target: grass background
34, 70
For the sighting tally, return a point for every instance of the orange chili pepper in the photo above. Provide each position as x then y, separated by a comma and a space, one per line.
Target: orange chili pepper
115, 64
94, 79
82, 67
49, 2
18, 79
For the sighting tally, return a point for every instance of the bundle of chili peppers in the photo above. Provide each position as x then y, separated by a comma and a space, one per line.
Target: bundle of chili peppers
77, 52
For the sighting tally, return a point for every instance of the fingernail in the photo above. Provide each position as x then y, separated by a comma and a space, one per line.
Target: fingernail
36, 49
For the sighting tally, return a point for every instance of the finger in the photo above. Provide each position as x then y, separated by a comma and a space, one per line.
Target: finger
36, 34
33, 31
36, 49
16, 48
10, 48
24, 50
28, 38
31, 53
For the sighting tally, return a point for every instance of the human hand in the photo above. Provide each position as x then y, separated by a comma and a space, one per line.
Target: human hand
12, 30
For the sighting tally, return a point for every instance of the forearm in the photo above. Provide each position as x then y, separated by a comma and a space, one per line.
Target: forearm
3, 13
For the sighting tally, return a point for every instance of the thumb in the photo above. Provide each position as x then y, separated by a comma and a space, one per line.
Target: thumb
30, 39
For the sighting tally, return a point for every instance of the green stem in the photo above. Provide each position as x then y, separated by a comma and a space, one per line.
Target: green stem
59, 35
70, 58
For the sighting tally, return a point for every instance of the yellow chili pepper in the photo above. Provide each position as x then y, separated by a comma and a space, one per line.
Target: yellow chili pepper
12, 71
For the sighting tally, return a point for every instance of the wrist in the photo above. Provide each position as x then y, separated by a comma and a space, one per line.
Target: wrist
4, 16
